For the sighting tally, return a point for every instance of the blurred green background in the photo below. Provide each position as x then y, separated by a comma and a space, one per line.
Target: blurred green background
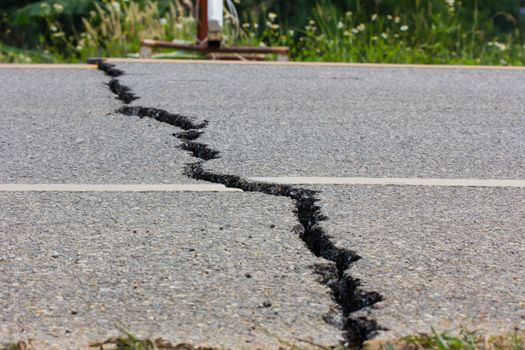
391, 31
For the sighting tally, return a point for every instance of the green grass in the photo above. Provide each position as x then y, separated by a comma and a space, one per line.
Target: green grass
11, 54
436, 33
464, 340
130, 342
428, 36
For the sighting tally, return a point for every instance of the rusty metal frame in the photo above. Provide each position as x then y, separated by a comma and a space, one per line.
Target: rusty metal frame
202, 20
280, 50
213, 48
217, 52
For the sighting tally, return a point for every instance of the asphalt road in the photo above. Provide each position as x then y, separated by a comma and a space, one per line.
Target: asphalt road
341, 121
176, 265
213, 269
442, 257
59, 126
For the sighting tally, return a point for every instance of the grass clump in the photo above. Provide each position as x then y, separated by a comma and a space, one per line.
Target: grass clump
429, 32
434, 34
465, 340
129, 341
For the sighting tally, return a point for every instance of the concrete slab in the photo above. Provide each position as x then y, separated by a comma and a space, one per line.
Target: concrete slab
442, 257
222, 270
275, 120
58, 126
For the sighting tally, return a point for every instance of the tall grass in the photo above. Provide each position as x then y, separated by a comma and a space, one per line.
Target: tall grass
112, 28
434, 34
115, 28
439, 31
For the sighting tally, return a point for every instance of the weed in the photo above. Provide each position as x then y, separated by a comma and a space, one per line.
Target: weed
436, 32
115, 28
128, 341
465, 340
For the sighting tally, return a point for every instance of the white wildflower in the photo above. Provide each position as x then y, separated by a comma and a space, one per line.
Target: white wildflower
116, 6
58, 7
340, 25
272, 16
500, 46
374, 17
404, 28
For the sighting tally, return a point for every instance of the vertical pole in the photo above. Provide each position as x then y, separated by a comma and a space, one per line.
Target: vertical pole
202, 20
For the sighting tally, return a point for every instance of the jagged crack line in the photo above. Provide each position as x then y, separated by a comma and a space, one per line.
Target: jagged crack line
108, 68
183, 122
189, 135
345, 289
123, 92
200, 150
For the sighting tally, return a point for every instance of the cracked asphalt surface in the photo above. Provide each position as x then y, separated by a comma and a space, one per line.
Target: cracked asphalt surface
59, 126
173, 264
208, 269
445, 257
339, 121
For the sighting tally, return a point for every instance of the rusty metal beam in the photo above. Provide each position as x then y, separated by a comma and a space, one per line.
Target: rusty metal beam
202, 20
281, 50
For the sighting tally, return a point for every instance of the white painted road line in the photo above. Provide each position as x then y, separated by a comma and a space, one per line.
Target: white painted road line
390, 181
116, 188
46, 66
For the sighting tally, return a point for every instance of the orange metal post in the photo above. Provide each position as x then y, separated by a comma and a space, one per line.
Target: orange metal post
202, 20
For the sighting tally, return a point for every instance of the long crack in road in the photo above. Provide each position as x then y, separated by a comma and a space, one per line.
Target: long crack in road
345, 289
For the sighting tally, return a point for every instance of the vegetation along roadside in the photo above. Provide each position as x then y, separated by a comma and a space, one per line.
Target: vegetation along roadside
416, 31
